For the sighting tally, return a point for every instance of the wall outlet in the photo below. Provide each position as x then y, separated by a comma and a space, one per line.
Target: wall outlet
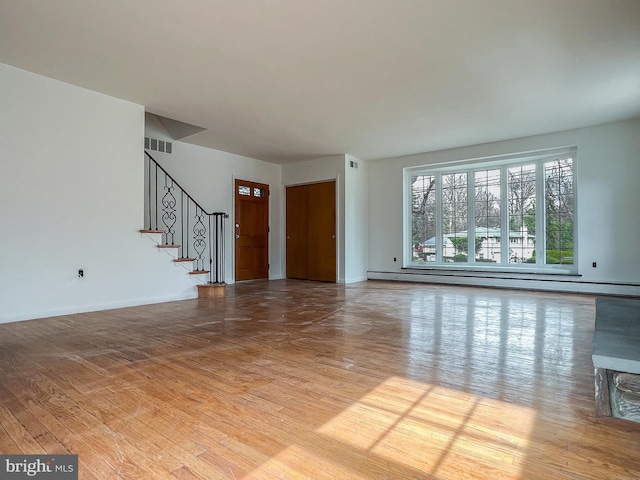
594, 264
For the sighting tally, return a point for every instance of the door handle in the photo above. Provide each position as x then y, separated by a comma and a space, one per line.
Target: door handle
237, 236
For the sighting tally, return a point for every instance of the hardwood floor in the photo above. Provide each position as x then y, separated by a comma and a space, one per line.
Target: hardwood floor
294, 379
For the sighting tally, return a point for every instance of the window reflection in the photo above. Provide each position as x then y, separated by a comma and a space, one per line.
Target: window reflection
482, 342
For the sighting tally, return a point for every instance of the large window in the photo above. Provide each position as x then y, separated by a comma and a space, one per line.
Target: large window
515, 212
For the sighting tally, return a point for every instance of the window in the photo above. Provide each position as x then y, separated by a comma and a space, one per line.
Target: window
487, 215
558, 177
246, 190
454, 215
522, 212
518, 211
423, 205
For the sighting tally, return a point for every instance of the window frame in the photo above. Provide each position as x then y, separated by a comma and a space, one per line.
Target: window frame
471, 166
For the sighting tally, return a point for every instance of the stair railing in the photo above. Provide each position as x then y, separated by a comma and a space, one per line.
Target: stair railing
198, 234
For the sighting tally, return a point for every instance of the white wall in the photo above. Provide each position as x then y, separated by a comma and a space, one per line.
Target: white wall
208, 176
608, 173
356, 220
71, 197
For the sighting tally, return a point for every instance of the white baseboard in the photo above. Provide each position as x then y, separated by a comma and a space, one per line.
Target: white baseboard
525, 283
56, 312
356, 279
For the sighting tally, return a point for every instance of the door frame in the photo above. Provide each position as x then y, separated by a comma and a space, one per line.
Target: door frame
339, 205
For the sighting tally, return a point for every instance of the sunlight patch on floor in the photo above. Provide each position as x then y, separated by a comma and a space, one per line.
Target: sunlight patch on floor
297, 462
409, 429
428, 428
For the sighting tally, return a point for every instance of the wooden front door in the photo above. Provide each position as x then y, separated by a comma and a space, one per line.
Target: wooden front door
311, 231
251, 230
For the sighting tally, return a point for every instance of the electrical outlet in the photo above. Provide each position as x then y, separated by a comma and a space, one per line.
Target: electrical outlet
81, 273
594, 264
395, 259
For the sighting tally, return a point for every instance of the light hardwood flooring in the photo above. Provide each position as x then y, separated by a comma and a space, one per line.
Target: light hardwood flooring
294, 379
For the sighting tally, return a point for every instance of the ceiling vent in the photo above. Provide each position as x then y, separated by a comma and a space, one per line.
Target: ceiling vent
157, 145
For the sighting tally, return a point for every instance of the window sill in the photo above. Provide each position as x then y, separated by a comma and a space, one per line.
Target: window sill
497, 272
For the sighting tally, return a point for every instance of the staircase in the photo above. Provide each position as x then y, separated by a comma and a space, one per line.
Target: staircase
191, 236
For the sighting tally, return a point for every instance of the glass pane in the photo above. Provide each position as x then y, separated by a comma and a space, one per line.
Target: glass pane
522, 214
454, 217
257, 192
244, 190
423, 218
558, 178
487, 215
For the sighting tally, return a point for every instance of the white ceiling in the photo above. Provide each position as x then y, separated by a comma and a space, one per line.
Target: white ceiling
287, 80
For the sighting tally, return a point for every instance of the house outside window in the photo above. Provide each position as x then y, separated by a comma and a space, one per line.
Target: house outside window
519, 212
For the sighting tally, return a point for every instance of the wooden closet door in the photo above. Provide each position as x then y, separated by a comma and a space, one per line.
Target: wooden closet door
297, 232
322, 231
311, 232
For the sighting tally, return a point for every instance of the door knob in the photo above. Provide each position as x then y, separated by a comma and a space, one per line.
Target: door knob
237, 236
237, 225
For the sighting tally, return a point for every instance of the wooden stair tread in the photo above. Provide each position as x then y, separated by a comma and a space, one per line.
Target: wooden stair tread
199, 272
185, 260
168, 246
151, 231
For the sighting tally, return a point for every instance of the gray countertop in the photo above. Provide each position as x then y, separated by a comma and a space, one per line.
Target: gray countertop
616, 343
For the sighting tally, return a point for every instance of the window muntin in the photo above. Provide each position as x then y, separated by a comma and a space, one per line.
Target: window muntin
519, 211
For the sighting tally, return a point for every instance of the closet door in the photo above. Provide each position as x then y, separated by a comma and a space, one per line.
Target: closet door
297, 232
322, 231
311, 231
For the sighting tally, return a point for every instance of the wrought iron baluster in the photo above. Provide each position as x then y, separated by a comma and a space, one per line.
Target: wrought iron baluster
149, 191
219, 251
210, 245
169, 210
182, 197
156, 192
222, 234
199, 238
